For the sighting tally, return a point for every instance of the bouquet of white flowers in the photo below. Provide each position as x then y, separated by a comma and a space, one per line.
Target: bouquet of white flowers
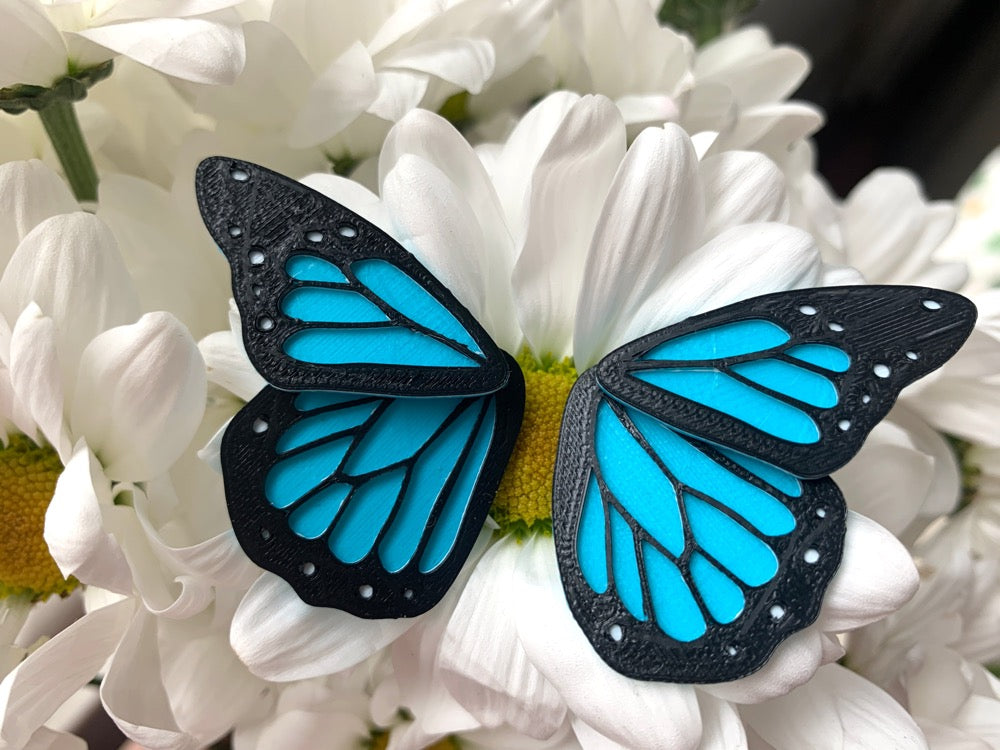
564, 179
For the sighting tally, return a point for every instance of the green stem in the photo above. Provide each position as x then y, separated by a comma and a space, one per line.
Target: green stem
59, 119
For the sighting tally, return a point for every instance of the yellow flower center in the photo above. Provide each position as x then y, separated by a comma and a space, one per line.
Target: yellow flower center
28, 475
524, 500
380, 741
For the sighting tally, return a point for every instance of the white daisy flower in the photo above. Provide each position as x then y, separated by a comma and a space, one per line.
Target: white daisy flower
732, 90
196, 41
335, 76
95, 399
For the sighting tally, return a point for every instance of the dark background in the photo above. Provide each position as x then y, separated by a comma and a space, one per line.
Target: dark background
910, 83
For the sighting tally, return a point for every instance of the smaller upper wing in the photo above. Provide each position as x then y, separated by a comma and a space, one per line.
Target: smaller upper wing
329, 301
797, 379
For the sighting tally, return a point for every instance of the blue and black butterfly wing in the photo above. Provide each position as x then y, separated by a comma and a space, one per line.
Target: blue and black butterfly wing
364, 475
694, 523
681, 561
326, 297
797, 379
369, 504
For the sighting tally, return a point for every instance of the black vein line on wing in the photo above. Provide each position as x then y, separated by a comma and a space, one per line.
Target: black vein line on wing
776, 352
334, 476
446, 489
356, 481
712, 453
449, 486
691, 544
403, 321
810, 409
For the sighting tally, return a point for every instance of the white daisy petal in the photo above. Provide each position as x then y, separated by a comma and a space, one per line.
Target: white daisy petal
842, 708
175, 264
70, 267
884, 221
742, 262
76, 526
431, 138
876, 577
304, 729
569, 186
34, 51
271, 55
840, 276
793, 662
281, 638
926, 481
755, 70
439, 228
209, 688
227, 364
652, 109
742, 187
46, 739
57, 669
35, 376
126, 10
140, 396
521, 152
481, 661
194, 49
30, 192
590, 739
133, 694
467, 63
345, 89
653, 218
633, 713
965, 408
399, 92
349, 193
770, 128
211, 453
722, 726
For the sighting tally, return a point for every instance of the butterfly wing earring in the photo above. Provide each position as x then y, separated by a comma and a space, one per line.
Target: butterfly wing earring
695, 524
363, 474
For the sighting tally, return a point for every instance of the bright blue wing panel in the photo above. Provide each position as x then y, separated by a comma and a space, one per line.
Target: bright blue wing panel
366, 503
330, 301
683, 561
797, 379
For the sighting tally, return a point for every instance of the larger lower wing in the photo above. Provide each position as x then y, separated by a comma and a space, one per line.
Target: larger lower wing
681, 561
369, 504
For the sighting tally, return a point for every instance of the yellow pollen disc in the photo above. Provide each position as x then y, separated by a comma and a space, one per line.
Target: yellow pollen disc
380, 741
524, 499
28, 475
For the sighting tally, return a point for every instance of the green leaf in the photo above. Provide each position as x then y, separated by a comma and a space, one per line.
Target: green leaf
704, 19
